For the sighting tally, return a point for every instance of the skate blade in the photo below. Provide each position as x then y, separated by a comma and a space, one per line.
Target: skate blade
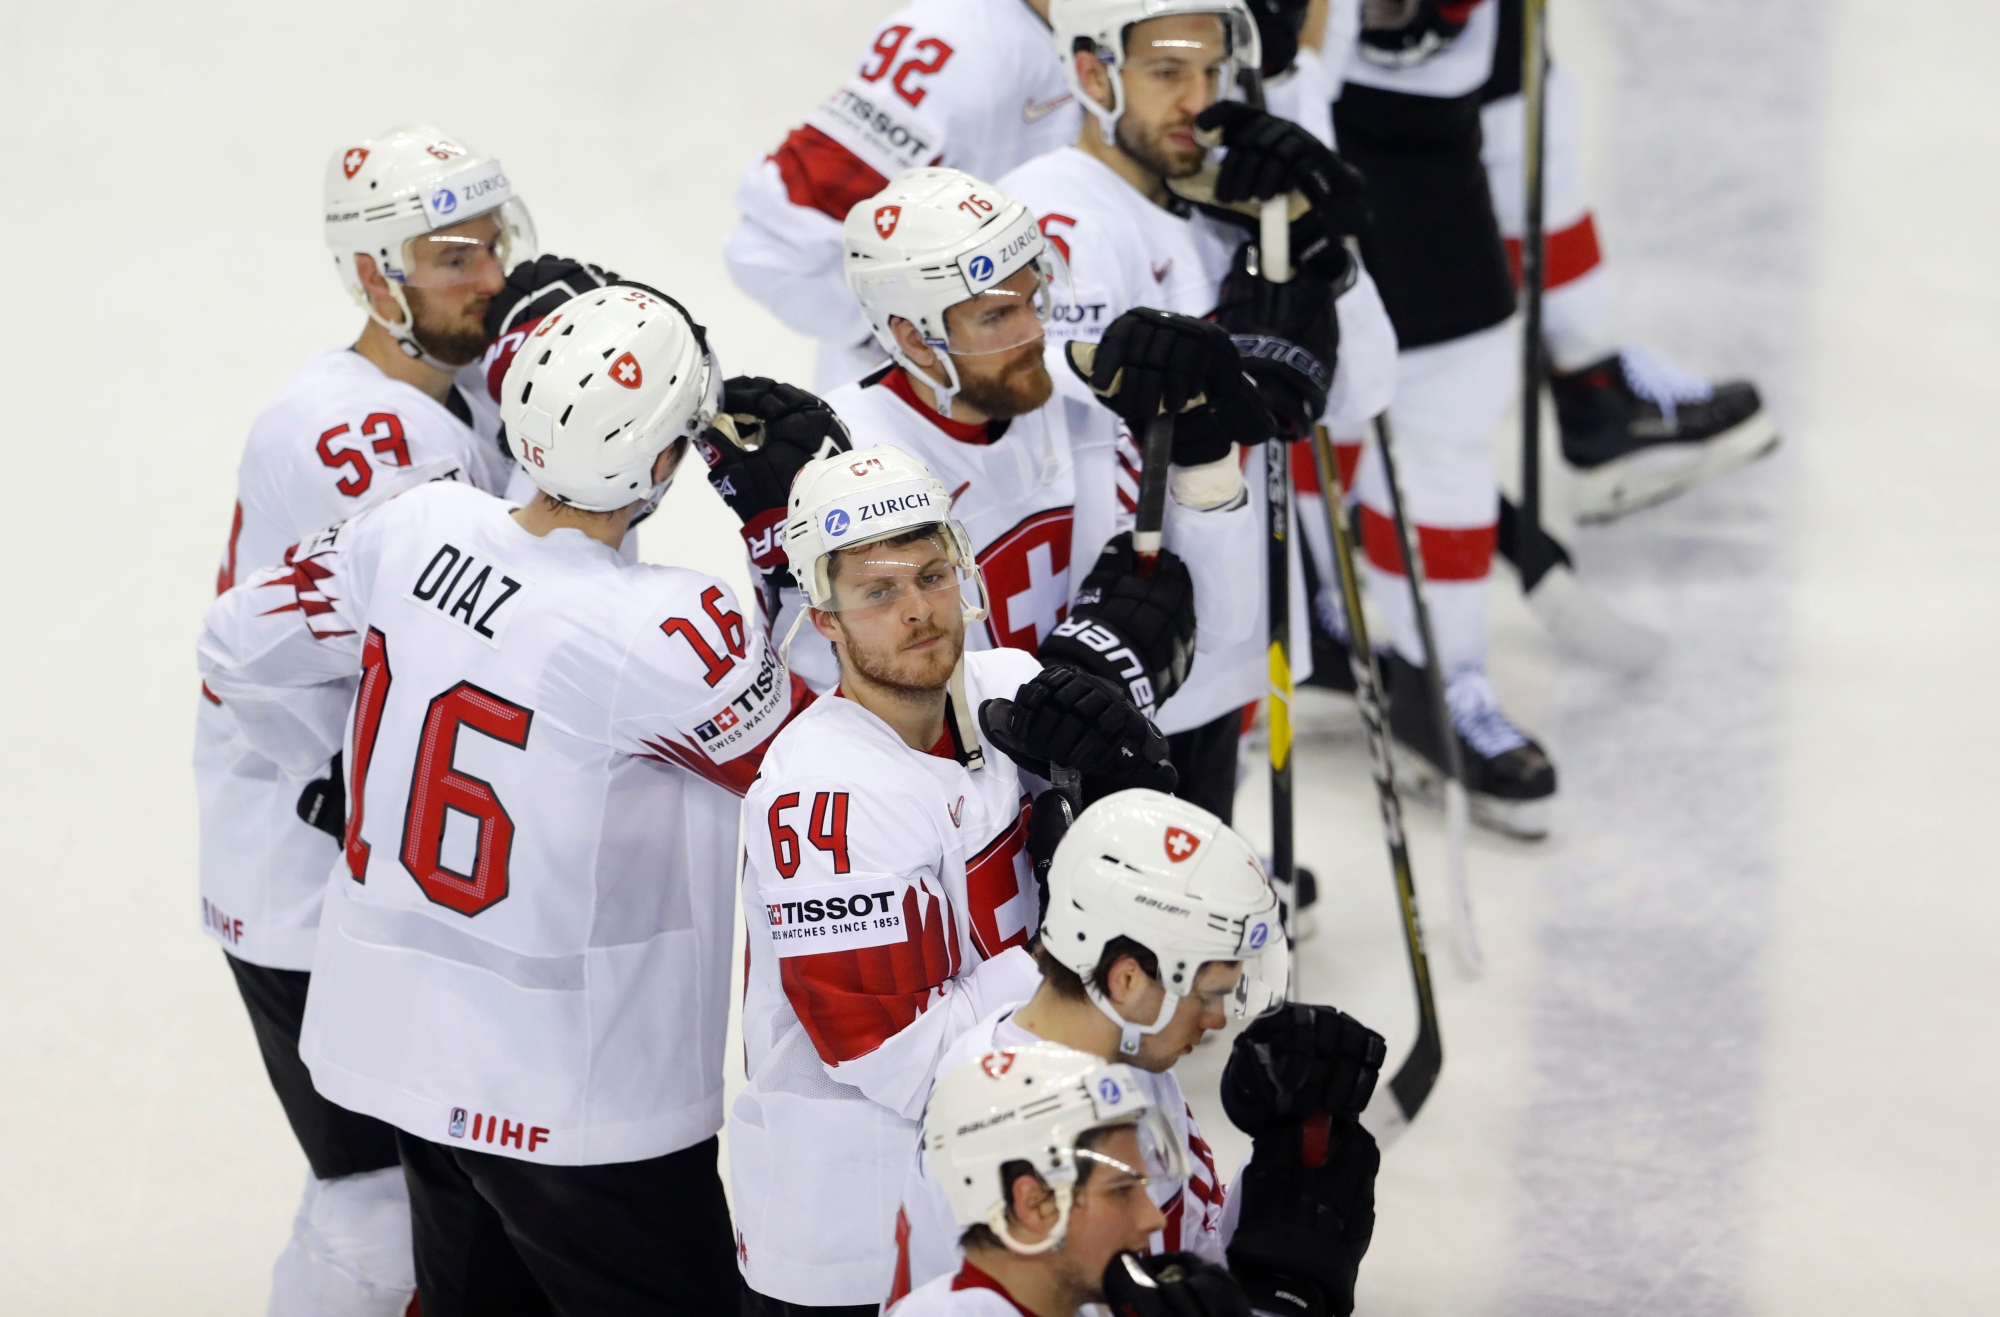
1522, 820
1653, 475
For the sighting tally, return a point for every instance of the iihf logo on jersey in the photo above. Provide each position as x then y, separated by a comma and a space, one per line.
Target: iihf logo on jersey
350, 164
458, 1122
886, 218
836, 522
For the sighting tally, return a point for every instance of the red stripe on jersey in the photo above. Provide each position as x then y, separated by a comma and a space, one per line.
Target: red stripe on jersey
970, 1277
209, 695
821, 174
851, 1002
1127, 502
1449, 555
899, 1283
226, 577
1305, 468
1567, 254
732, 775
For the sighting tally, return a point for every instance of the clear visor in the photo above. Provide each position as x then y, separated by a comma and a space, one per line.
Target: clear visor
1009, 315
475, 251
1162, 1159
874, 578
1267, 965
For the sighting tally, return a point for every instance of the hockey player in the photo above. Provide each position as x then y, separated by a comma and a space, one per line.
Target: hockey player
886, 885
1051, 1162
1635, 429
1160, 922
958, 282
972, 84
1144, 73
523, 964
423, 232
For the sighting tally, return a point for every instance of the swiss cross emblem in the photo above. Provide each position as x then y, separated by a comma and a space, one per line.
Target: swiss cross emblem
1180, 844
886, 218
626, 371
1027, 578
351, 162
727, 719
997, 1064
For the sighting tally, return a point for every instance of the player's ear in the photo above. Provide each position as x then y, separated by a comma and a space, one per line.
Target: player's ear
913, 344
1127, 981
1096, 79
377, 287
824, 623
1032, 1203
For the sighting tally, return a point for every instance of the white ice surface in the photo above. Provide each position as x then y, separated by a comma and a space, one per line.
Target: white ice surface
1734, 1051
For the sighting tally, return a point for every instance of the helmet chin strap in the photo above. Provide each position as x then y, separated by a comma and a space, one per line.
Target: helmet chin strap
1129, 1033
941, 393
404, 332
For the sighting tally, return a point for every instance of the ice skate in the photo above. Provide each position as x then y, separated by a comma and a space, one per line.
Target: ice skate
1638, 430
1510, 782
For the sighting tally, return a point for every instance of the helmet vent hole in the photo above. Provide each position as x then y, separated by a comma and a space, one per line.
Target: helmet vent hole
584, 381
607, 352
564, 418
526, 389
546, 354
568, 330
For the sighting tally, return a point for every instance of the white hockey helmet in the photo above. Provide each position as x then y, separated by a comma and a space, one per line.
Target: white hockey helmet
1104, 24
1175, 879
937, 237
1033, 1104
860, 497
607, 381
385, 194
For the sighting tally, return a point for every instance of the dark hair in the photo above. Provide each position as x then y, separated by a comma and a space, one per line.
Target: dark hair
982, 1234
1068, 986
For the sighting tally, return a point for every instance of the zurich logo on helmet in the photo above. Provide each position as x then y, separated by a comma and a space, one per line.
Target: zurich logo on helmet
1259, 935
443, 201
981, 269
836, 522
1107, 1088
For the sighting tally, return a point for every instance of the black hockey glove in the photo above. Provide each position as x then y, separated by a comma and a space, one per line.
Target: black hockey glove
1048, 820
1137, 631
323, 803
1269, 157
533, 289
1399, 33
1279, 23
1297, 1080
766, 433
1065, 717
1288, 337
1149, 362
1295, 1061
1171, 1285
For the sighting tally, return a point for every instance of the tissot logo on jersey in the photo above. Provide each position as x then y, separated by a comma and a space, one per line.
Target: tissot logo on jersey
838, 917
740, 719
881, 133
464, 590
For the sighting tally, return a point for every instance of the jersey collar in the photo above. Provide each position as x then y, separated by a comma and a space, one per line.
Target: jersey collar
897, 382
970, 1277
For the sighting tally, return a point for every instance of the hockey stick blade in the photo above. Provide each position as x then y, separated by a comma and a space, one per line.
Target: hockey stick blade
1584, 623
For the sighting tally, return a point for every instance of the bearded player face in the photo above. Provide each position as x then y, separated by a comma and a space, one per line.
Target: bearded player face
1173, 71
898, 619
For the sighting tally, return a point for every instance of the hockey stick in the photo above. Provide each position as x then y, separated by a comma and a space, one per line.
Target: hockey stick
1396, 1103
1553, 592
1465, 937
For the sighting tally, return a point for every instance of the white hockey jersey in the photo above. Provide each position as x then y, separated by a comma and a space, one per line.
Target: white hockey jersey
967, 1292
1124, 252
1039, 501
888, 897
527, 946
972, 84
927, 1236
339, 437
